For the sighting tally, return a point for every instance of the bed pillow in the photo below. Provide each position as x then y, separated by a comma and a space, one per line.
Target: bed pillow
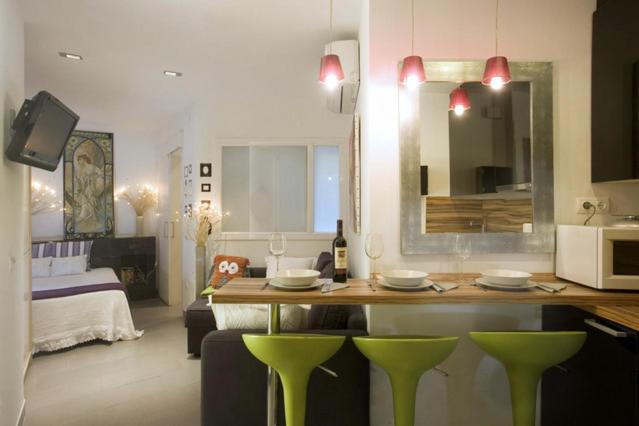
71, 249
41, 267
71, 265
288, 263
39, 250
247, 317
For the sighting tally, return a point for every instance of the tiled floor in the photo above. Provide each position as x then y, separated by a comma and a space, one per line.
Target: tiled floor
150, 381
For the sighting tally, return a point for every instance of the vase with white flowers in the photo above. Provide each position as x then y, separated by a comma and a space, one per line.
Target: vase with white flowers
202, 226
142, 198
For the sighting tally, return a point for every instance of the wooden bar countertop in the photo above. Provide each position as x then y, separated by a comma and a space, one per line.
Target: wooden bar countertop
251, 290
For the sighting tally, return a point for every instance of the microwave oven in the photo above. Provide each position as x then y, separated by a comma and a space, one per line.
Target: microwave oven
605, 258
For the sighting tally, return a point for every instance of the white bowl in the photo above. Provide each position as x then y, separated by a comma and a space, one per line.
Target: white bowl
404, 278
506, 277
297, 277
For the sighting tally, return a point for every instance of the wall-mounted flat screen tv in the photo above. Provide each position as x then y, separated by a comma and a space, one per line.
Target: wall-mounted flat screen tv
41, 130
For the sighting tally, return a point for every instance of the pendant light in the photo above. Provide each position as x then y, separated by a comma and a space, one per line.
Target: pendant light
459, 101
331, 72
496, 73
412, 73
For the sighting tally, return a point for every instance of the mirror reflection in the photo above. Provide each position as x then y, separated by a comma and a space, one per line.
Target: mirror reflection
476, 157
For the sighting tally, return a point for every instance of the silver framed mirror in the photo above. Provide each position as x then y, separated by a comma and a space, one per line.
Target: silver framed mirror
534, 237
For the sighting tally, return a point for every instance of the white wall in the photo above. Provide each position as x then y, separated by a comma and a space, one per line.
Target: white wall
134, 162
543, 30
15, 253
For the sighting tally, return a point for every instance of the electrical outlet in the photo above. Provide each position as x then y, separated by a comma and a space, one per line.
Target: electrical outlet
602, 205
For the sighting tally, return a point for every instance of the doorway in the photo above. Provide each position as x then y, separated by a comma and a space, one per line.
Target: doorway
171, 231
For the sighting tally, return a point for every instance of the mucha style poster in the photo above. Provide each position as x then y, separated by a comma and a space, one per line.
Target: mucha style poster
88, 186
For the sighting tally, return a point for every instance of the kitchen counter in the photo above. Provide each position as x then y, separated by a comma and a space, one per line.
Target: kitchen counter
246, 290
627, 316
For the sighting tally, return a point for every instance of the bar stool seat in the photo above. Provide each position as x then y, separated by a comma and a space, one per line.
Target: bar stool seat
405, 359
293, 356
525, 355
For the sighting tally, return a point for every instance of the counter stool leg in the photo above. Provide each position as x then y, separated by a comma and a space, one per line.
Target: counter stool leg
523, 394
271, 390
404, 395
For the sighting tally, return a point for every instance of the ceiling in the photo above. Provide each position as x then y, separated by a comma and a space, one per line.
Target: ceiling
219, 46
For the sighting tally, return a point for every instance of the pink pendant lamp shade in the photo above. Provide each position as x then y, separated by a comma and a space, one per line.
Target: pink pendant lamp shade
459, 101
331, 72
496, 73
412, 73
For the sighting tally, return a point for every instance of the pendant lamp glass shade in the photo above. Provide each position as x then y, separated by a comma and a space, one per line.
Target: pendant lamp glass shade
331, 72
496, 73
459, 101
412, 73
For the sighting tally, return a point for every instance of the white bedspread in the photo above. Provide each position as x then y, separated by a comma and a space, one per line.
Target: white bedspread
62, 322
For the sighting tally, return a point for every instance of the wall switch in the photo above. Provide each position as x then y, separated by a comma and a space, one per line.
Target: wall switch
602, 205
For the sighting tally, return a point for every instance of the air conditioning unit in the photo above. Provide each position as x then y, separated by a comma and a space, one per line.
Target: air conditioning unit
343, 99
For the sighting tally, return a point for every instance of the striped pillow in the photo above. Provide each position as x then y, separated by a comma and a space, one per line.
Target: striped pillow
39, 250
74, 248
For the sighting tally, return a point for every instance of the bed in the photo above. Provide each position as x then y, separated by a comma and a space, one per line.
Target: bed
72, 309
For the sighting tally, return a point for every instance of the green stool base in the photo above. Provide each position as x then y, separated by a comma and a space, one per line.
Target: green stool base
405, 359
293, 356
525, 355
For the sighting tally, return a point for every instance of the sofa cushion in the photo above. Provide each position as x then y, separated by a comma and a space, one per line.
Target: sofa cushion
225, 268
241, 317
328, 317
325, 264
199, 314
273, 265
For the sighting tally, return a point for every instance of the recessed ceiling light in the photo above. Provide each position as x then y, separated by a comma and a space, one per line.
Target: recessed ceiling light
70, 56
173, 73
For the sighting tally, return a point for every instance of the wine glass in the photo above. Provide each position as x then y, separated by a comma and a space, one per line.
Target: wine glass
463, 250
277, 247
374, 248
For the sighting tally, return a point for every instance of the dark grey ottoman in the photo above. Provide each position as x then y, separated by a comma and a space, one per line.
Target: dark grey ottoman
199, 321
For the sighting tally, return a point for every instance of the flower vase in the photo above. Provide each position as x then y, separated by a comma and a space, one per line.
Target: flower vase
200, 269
139, 226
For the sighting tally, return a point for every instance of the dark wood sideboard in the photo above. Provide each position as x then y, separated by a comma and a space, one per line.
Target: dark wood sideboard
138, 254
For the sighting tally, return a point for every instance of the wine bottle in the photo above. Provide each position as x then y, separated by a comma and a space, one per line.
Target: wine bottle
340, 255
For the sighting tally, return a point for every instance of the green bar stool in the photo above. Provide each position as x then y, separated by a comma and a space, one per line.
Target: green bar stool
525, 355
405, 359
293, 356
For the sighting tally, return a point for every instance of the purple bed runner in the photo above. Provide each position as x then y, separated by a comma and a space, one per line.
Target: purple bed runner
72, 291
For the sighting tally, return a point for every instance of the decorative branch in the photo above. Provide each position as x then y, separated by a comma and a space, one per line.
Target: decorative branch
142, 199
44, 199
202, 226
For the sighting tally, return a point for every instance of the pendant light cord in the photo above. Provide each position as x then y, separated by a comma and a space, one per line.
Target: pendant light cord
330, 28
496, 27
412, 27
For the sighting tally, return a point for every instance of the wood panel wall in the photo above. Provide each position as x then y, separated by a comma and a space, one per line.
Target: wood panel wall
446, 214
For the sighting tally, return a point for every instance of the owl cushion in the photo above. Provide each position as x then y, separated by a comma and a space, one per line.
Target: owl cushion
225, 268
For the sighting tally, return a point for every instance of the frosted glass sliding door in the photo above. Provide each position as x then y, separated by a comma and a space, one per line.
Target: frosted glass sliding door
264, 188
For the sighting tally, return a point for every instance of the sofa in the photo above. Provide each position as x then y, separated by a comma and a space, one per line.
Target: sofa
234, 381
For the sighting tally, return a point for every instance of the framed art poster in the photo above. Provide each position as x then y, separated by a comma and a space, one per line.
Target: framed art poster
88, 186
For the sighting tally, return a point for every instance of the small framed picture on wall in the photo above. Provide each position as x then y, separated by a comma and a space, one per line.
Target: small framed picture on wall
205, 187
205, 170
